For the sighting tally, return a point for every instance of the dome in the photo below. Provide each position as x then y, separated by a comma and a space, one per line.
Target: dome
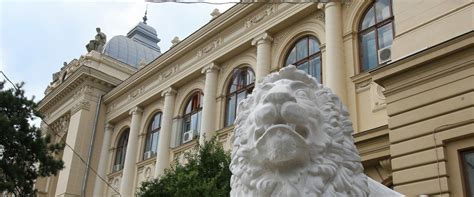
141, 43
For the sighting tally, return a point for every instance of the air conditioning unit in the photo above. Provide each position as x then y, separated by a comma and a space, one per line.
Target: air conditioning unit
117, 167
188, 136
385, 55
148, 155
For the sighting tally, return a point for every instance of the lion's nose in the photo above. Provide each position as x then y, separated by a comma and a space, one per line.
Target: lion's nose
278, 95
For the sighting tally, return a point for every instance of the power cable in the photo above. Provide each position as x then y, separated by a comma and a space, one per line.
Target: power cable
64, 141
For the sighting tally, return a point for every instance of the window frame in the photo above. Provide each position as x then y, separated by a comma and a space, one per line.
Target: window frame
122, 145
237, 71
149, 135
199, 97
309, 56
375, 27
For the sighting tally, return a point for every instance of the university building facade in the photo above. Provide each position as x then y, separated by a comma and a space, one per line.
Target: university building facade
404, 69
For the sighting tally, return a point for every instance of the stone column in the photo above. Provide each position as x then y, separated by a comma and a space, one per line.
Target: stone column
264, 46
208, 120
128, 172
163, 152
103, 162
335, 67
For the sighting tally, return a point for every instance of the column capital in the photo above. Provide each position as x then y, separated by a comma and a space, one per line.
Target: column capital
264, 37
212, 67
135, 110
169, 92
335, 3
109, 126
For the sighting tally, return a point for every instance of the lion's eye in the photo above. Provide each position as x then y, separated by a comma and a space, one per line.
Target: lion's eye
301, 94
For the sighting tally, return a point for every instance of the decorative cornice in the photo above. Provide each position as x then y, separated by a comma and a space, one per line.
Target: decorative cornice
135, 111
169, 92
82, 74
262, 38
212, 67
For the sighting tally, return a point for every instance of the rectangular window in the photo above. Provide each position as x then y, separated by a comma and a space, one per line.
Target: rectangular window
467, 163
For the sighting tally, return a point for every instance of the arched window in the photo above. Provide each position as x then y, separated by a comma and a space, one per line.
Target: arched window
241, 85
121, 150
375, 33
152, 136
306, 55
192, 117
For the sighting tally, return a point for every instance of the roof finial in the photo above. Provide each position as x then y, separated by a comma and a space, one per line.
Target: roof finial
145, 18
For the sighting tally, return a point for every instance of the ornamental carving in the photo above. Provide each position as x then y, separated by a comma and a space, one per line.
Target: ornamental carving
269, 10
209, 47
134, 94
61, 125
84, 90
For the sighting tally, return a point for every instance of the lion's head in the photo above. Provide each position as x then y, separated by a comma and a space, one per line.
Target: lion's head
293, 138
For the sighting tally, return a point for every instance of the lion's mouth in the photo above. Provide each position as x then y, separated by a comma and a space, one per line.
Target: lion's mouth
282, 142
300, 130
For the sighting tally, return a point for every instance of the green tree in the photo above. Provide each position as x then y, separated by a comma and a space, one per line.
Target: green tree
206, 173
25, 154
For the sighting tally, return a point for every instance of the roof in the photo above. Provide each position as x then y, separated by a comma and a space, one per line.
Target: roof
140, 44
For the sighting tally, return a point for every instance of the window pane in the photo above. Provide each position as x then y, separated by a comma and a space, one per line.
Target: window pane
154, 143
186, 124
385, 36
199, 117
304, 67
241, 96
194, 122
250, 77
230, 110
313, 46
369, 53
468, 165
292, 57
301, 49
315, 68
382, 10
188, 108
148, 142
369, 19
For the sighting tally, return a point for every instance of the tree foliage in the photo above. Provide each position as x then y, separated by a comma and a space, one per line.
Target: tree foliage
25, 154
206, 173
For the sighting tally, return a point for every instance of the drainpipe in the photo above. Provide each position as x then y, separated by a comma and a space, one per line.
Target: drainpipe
89, 157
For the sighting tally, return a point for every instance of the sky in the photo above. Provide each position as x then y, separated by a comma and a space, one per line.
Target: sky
37, 36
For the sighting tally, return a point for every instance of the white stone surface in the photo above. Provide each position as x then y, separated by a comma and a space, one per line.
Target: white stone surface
293, 137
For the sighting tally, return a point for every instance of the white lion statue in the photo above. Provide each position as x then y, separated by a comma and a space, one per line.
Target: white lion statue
293, 138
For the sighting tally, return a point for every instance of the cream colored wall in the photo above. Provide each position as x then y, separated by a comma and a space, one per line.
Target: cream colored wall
430, 117
420, 24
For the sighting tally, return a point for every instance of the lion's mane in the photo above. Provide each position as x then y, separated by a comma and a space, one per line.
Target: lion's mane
333, 167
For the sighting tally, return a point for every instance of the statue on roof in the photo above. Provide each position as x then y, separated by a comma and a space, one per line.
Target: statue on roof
98, 43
